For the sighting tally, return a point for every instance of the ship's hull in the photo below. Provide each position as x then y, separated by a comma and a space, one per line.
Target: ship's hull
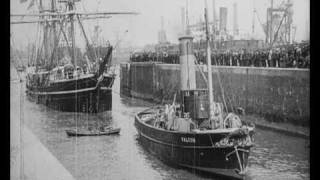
82, 95
193, 150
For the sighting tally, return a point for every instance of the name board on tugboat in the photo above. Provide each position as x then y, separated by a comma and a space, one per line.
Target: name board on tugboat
188, 140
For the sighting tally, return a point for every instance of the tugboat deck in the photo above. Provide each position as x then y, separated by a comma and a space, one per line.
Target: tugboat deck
148, 121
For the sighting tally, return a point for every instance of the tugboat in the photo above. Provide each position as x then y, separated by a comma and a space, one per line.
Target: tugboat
196, 134
66, 86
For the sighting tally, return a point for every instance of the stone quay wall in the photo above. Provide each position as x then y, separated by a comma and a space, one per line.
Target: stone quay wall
277, 94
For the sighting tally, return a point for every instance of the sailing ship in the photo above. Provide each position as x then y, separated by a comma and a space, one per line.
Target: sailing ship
196, 133
62, 85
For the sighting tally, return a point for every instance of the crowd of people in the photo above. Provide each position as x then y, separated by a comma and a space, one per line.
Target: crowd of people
290, 56
163, 57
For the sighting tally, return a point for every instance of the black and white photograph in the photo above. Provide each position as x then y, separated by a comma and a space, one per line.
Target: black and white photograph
159, 89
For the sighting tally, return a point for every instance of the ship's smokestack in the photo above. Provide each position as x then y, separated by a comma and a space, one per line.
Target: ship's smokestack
187, 63
183, 20
223, 19
214, 14
235, 20
162, 37
162, 23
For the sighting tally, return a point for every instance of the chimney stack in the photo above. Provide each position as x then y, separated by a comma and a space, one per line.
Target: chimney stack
223, 19
235, 20
187, 63
183, 20
214, 14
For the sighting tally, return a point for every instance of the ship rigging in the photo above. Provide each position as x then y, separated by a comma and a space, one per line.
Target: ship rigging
63, 82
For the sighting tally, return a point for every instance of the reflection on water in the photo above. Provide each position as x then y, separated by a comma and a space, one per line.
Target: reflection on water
275, 156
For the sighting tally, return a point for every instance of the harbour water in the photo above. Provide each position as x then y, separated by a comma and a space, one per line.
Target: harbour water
275, 156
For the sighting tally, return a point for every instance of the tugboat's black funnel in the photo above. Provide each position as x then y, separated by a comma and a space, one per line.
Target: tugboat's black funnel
195, 101
106, 60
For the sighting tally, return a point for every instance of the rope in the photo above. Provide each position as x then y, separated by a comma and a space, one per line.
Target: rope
54, 48
188, 80
201, 72
220, 85
36, 45
89, 47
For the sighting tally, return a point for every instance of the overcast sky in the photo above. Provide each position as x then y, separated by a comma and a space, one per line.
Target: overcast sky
143, 28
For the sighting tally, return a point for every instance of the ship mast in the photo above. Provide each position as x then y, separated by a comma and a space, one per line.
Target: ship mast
54, 16
53, 9
37, 52
73, 55
209, 63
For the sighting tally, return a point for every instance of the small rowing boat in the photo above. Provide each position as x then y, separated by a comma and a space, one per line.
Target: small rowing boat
85, 132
